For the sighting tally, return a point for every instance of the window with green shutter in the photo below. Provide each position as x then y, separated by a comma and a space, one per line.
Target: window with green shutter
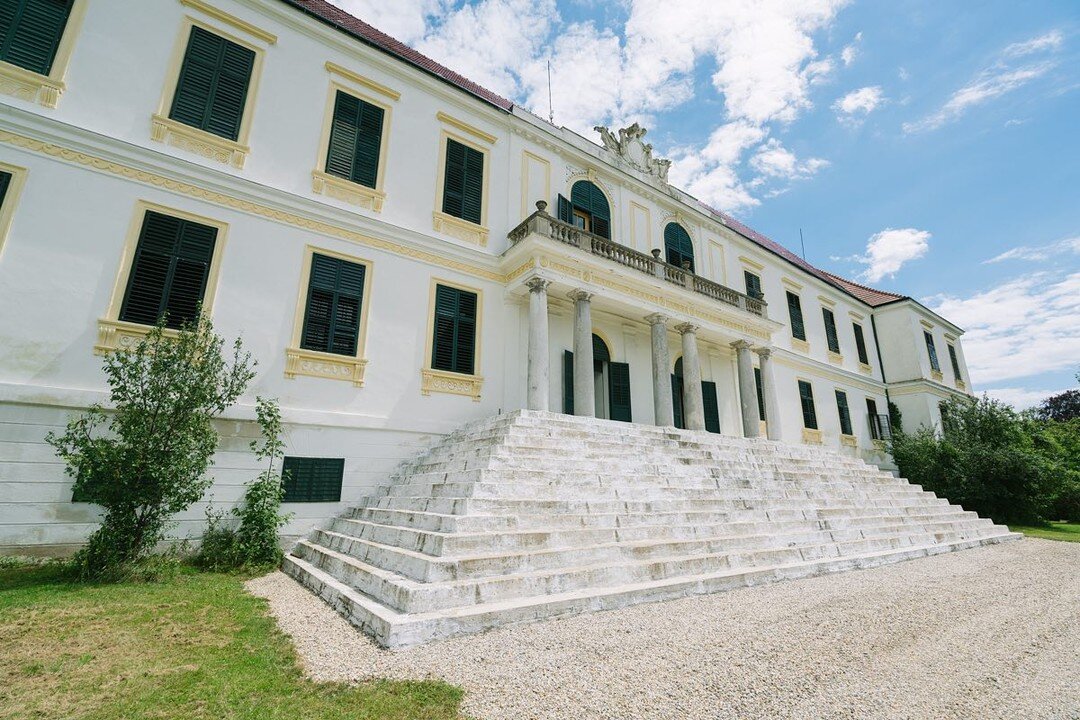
307, 479
753, 284
806, 399
213, 85
711, 406
760, 394
952, 359
169, 272
830, 330
794, 306
587, 209
843, 412
678, 247
860, 344
5, 183
332, 312
30, 32
463, 183
454, 344
355, 140
931, 351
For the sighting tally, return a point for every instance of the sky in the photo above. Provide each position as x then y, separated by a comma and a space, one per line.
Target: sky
926, 147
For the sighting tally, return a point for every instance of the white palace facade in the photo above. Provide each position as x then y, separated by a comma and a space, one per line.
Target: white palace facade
401, 250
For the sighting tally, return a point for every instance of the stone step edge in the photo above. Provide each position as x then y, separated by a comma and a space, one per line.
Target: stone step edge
392, 629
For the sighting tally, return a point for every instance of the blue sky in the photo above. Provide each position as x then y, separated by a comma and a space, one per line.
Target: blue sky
927, 147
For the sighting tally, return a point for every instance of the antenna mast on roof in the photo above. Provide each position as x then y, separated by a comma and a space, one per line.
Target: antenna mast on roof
551, 111
802, 245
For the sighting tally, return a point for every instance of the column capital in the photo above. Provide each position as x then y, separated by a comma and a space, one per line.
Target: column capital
685, 328
579, 294
741, 345
537, 284
657, 319
763, 352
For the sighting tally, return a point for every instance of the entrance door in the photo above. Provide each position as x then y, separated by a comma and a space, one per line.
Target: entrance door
708, 397
612, 383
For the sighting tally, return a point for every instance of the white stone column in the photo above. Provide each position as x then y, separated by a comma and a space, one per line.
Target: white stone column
584, 382
768, 392
747, 389
693, 403
661, 372
539, 352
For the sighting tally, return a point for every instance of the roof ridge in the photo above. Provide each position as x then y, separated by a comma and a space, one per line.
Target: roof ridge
860, 285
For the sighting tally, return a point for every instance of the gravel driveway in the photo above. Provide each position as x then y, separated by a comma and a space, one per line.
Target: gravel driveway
986, 633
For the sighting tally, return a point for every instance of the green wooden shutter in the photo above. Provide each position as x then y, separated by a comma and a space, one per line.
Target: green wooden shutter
798, 331
213, 84
355, 140
5, 182
860, 344
333, 307
760, 394
931, 351
753, 284
454, 342
678, 245
874, 420
312, 479
830, 330
806, 398
169, 271
843, 411
463, 182
712, 406
676, 401
565, 210
568, 382
30, 32
619, 391
952, 351
587, 197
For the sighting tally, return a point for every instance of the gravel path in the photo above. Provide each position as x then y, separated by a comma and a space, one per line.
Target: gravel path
986, 633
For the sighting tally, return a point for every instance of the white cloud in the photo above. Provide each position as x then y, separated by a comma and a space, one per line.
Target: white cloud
1040, 253
776, 161
404, 20
1050, 41
859, 102
888, 251
1021, 398
1021, 328
850, 52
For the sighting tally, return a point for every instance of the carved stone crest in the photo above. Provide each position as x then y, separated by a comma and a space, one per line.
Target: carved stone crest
633, 149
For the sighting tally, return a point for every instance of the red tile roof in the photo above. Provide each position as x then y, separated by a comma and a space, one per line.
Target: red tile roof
357, 28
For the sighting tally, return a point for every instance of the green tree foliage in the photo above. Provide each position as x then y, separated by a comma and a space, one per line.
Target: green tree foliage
146, 459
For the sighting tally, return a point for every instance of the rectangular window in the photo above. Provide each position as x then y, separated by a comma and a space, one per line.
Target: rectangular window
806, 397
952, 359
753, 284
5, 183
860, 344
830, 330
355, 138
760, 395
169, 272
843, 412
454, 343
30, 32
794, 306
463, 184
213, 85
932, 351
875, 420
308, 479
332, 311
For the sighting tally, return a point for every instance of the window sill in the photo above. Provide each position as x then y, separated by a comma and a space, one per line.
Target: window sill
936, 375
313, 363
865, 369
849, 440
120, 335
30, 86
442, 381
347, 191
811, 437
200, 142
461, 229
836, 358
800, 345
961, 385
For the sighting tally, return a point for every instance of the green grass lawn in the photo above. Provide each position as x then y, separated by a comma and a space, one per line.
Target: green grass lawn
1069, 532
195, 646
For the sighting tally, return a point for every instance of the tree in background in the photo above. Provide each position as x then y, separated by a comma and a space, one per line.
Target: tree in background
146, 458
1061, 407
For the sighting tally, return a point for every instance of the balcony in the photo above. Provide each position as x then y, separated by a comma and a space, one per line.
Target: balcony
542, 224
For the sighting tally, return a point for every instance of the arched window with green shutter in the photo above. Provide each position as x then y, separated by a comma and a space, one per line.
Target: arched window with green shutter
678, 247
587, 208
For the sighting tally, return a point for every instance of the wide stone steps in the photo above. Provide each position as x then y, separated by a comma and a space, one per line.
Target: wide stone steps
532, 515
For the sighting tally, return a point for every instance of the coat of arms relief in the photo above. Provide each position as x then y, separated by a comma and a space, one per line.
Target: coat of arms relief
630, 146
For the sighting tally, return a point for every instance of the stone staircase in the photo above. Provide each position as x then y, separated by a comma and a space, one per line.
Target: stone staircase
531, 515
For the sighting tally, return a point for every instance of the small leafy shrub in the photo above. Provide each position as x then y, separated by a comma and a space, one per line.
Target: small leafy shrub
146, 459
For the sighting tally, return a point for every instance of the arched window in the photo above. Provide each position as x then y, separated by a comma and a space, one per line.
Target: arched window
600, 352
587, 209
678, 246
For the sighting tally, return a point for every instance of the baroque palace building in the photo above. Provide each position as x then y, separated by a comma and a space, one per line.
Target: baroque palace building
402, 251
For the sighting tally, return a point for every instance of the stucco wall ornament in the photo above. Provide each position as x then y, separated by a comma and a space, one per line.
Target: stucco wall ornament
630, 147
